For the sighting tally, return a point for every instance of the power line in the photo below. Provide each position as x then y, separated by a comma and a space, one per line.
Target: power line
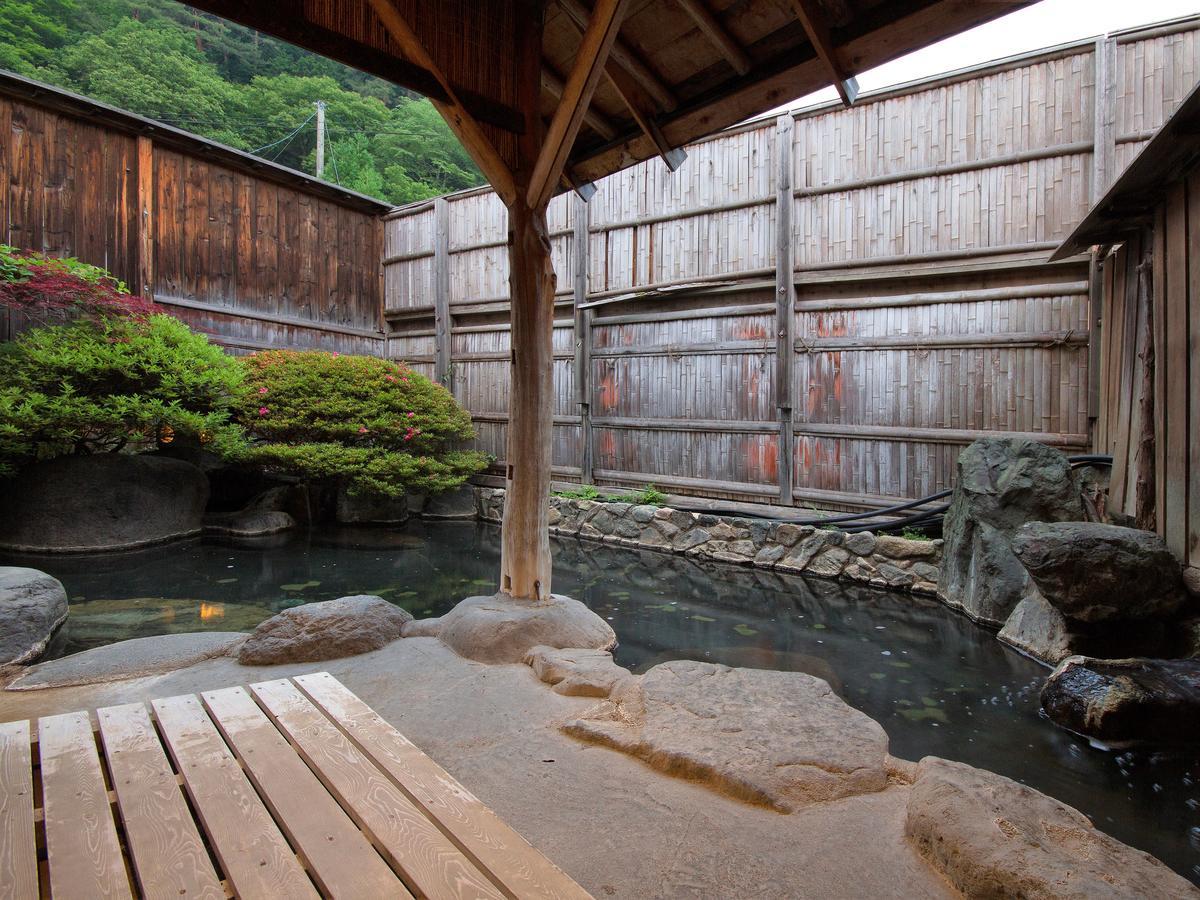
286, 137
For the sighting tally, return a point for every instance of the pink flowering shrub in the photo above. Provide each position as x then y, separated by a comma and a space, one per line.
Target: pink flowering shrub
375, 425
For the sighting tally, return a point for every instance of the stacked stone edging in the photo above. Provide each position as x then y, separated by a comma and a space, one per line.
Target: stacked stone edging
878, 560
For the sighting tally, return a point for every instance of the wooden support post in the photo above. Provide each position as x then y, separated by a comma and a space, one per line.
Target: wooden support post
785, 305
441, 291
145, 214
525, 539
583, 340
1104, 128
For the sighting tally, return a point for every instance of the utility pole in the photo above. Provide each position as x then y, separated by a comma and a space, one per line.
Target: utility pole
320, 137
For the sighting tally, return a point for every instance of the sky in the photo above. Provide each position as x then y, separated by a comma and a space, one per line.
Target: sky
1041, 25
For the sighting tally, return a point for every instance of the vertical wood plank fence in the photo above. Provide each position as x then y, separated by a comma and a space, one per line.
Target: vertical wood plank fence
822, 308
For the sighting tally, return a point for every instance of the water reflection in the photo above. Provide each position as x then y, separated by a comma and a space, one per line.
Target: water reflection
935, 681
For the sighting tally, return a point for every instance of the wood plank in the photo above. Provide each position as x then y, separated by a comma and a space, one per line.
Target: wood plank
253, 853
81, 838
1174, 361
169, 859
18, 843
441, 291
1193, 354
478, 831
342, 860
411, 843
583, 337
785, 307
711, 27
813, 19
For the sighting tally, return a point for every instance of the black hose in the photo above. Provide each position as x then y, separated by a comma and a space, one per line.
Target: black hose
856, 522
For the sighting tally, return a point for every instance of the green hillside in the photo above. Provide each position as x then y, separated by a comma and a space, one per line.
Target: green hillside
198, 72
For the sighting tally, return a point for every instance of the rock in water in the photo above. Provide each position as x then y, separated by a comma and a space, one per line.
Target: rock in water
779, 739
499, 629
1119, 700
370, 508
32, 607
993, 837
109, 501
456, 504
1093, 572
1040, 630
327, 630
1002, 484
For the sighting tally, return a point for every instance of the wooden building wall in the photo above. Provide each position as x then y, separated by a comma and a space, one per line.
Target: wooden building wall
253, 262
822, 308
1149, 378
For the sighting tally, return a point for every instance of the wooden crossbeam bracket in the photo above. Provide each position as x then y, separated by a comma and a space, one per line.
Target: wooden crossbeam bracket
598, 38
712, 29
810, 16
623, 57
465, 128
672, 156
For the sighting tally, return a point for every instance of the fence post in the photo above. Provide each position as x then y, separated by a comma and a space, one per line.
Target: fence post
1104, 134
145, 217
785, 305
441, 292
583, 336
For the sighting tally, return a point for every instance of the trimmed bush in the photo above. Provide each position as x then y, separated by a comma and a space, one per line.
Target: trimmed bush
112, 384
375, 426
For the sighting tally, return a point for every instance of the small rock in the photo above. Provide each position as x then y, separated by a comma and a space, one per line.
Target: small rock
770, 555
578, 673
1038, 629
993, 837
1118, 700
248, 523
902, 548
1094, 572
860, 544
603, 521
327, 630
829, 563
693, 538
801, 554
788, 534
642, 514
32, 607
627, 528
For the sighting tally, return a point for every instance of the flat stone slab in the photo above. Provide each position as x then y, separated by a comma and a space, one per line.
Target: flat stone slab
499, 629
578, 673
128, 659
993, 837
32, 607
330, 629
778, 739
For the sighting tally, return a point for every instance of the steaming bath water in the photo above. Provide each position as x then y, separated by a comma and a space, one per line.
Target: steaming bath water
939, 684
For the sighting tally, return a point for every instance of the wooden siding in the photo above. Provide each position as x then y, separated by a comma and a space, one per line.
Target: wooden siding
1149, 379
924, 316
253, 262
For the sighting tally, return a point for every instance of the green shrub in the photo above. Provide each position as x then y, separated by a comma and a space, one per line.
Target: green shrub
647, 496
109, 384
376, 426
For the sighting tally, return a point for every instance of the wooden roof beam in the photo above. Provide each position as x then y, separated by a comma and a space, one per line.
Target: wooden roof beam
465, 128
810, 16
624, 57
712, 29
594, 120
590, 58
672, 156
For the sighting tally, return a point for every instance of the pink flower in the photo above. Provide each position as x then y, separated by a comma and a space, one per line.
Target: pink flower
262, 410
389, 377
335, 354
262, 390
411, 415
362, 429
404, 378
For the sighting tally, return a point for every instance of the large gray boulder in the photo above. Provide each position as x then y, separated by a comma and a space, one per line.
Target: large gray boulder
328, 630
1118, 700
456, 504
1040, 630
500, 629
1092, 572
1002, 484
992, 837
370, 508
779, 739
32, 607
108, 501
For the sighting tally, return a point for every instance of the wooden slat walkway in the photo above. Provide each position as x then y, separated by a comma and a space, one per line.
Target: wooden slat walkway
293, 788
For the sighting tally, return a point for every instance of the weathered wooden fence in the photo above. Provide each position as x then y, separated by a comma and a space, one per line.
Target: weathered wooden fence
820, 308
252, 253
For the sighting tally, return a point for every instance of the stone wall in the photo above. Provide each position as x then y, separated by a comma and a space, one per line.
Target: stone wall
881, 561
